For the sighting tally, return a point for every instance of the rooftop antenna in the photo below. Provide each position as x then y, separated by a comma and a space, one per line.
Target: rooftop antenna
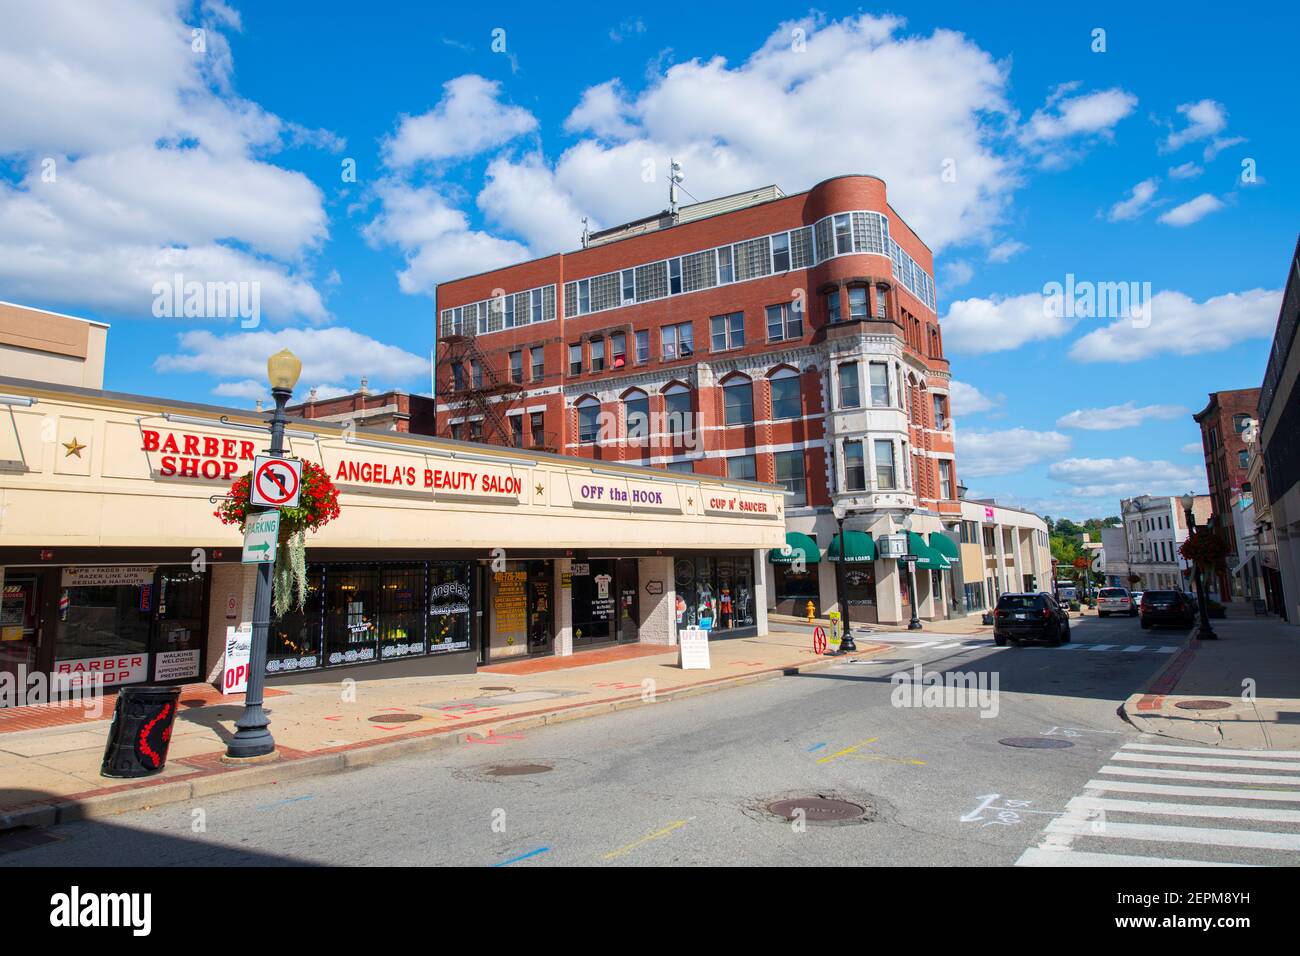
674, 180
586, 233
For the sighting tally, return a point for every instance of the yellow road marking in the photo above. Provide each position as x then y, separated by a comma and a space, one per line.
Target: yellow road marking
847, 750
658, 834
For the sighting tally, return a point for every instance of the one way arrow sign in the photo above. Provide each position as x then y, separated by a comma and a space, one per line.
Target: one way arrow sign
261, 536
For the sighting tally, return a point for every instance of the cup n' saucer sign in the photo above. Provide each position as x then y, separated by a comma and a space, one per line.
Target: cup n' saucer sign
277, 482
739, 505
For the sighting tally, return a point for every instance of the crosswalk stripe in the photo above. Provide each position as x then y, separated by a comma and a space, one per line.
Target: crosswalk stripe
1199, 775
1166, 650
1174, 790
1208, 761
1173, 748
1107, 804
941, 647
1102, 647
1071, 647
1135, 647
1205, 836
1040, 856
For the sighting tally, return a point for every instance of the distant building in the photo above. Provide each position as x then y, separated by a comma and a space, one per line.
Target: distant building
41, 346
394, 410
1279, 436
1003, 550
1223, 422
1154, 528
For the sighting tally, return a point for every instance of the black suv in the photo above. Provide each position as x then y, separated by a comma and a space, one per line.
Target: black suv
1030, 617
1167, 607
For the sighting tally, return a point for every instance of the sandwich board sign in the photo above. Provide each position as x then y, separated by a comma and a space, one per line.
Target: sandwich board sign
277, 482
694, 645
261, 536
234, 671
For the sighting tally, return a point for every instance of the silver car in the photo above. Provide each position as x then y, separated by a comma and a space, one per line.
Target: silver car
1115, 601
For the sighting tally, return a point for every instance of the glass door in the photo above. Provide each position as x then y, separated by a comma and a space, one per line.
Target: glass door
540, 584
19, 626
177, 646
629, 612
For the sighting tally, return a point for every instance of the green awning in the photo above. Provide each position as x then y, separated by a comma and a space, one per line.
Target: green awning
796, 544
927, 559
858, 547
943, 544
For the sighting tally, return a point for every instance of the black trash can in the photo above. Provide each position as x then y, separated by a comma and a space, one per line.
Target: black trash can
140, 732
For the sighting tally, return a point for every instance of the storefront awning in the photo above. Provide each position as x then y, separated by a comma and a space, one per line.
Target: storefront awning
927, 559
797, 544
858, 548
945, 546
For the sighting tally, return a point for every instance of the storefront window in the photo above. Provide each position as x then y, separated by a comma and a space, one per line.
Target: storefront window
400, 625
715, 593
794, 589
860, 592
593, 602
351, 628
294, 641
449, 598
105, 618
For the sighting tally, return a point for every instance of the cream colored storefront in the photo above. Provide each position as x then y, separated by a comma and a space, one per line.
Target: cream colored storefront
445, 553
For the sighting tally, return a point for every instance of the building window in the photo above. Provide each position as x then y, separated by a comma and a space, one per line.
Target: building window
510, 312
517, 431
584, 296
629, 286
618, 350
685, 467
855, 469
588, 421
642, 346
538, 315
674, 276
945, 480
738, 400
741, 467
781, 253
476, 430
726, 272
783, 323
833, 306
1239, 422
843, 234
575, 359
728, 331
850, 389
516, 366
789, 474
885, 475
636, 414
456, 429
940, 412
1243, 459
879, 373
677, 410
785, 396
538, 362
536, 421
882, 310
598, 355
857, 302
457, 376
476, 373
678, 341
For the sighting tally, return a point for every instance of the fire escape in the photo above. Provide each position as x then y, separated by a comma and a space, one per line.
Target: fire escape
489, 395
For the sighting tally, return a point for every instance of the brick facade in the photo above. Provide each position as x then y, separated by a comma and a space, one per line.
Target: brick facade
1227, 457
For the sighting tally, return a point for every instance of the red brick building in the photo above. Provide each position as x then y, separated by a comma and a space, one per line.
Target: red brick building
394, 410
786, 339
1227, 461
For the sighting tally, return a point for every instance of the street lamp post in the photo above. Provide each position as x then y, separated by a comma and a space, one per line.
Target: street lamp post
847, 646
1204, 632
252, 736
915, 623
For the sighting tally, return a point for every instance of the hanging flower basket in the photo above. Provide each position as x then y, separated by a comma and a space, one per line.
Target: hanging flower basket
1204, 549
318, 505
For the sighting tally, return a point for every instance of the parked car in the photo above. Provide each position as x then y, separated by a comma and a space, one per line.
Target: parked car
1166, 607
1066, 594
1137, 598
1030, 617
1115, 601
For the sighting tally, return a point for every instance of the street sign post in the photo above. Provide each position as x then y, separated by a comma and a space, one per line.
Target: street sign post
277, 482
261, 537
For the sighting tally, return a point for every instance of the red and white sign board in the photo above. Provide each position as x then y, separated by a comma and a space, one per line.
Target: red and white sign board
234, 669
114, 670
277, 482
693, 643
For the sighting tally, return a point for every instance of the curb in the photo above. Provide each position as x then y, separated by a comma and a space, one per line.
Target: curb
207, 784
1161, 682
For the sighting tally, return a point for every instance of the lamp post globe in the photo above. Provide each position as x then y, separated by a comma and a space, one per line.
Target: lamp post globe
252, 737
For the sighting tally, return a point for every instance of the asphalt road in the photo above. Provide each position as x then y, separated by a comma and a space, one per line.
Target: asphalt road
686, 782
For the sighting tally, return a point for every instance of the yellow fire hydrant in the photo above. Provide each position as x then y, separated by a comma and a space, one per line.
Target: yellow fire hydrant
812, 611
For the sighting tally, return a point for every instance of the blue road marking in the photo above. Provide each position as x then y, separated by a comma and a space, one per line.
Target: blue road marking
544, 849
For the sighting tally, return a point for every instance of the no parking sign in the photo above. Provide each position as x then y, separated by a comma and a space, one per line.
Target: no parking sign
277, 482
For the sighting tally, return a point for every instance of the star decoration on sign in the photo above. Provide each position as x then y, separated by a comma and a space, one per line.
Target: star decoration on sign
73, 447
540, 488
690, 502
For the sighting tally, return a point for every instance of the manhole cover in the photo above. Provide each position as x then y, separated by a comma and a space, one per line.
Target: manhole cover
1202, 705
1036, 743
816, 809
394, 718
518, 769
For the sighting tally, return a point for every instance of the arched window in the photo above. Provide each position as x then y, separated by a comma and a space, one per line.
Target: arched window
636, 414
678, 410
786, 399
588, 419
738, 400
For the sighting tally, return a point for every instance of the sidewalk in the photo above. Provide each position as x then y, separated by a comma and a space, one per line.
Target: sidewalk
51, 773
1242, 690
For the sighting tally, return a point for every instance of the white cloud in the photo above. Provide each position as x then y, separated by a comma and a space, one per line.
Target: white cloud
135, 160
1060, 132
1126, 476
977, 326
1188, 170
521, 198
1181, 326
1128, 415
1203, 119
969, 400
629, 27
603, 110
1005, 250
957, 273
1137, 203
1193, 448
1192, 211
1004, 452
327, 354
1219, 145
469, 119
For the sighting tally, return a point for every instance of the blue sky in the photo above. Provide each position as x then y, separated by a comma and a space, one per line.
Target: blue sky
132, 150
